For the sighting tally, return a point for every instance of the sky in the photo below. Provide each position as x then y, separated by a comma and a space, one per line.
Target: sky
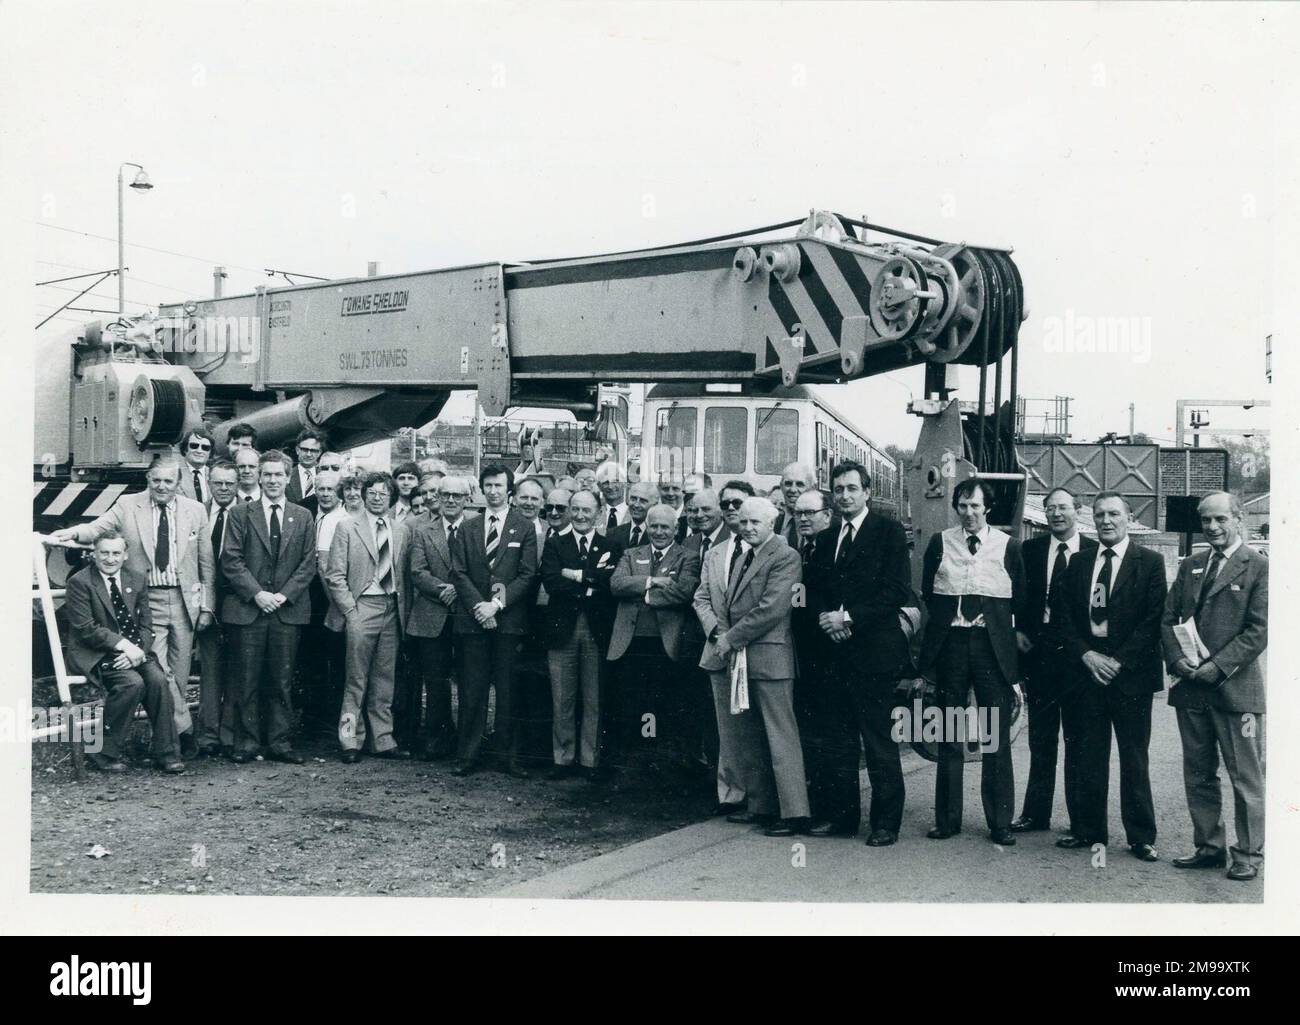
1126, 152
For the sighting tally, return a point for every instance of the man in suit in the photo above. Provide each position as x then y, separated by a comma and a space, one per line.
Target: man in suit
302, 479
1219, 699
166, 543
369, 594
612, 481
1046, 559
269, 558
795, 480
433, 597
1106, 614
218, 668
493, 564
973, 583
574, 627
247, 468
631, 530
109, 640
744, 603
196, 449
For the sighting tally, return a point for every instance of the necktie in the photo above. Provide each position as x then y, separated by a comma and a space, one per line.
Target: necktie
1101, 589
125, 621
275, 531
582, 549
1211, 573
635, 538
385, 572
612, 522
973, 543
744, 568
310, 489
971, 606
218, 533
846, 542
248, 498
198, 484
807, 547
162, 543
1058, 571
493, 539
736, 552
705, 541
655, 556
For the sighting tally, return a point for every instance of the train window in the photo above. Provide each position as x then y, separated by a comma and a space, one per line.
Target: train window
776, 438
726, 430
675, 441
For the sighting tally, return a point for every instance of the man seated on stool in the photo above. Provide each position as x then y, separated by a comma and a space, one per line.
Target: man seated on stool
110, 634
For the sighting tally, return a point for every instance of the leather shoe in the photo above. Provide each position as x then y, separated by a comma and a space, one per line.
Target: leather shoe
749, 818
728, 807
350, 756
786, 827
105, 764
290, 756
172, 768
1242, 872
518, 772
1072, 843
1219, 859
1143, 852
208, 751
941, 834
1003, 837
189, 746
882, 838
465, 769
1026, 825
830, 829
240, 757
394, 754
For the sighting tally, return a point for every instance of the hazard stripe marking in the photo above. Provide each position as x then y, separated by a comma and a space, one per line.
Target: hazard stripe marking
779, 300
65, 499
812, 282
37, 487
102, 504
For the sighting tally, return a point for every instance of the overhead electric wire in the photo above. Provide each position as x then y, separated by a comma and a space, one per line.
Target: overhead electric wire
153, 249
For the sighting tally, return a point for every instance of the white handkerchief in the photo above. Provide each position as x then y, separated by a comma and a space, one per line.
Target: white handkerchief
739, 682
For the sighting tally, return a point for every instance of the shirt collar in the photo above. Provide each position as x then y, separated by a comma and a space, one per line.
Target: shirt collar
983, 535
267, 503
109, 579
1119, 549
374, 520
857, 520
1071, 544
450, 524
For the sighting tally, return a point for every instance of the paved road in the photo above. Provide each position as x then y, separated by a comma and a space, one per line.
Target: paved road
715, 860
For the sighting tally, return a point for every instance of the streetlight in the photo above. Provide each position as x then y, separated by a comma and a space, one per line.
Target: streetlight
142, 183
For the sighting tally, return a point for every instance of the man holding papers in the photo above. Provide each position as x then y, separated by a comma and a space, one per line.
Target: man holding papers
744, 604
1215, 632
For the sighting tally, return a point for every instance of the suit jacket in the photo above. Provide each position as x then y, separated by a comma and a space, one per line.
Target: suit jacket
249, 567
1039, 665
566, 598
132, 517
1133, 613
1001, 617
621, 536
510, 578
1233, 624
187, 484
692, 635
220, 586
430, 571
93, 629
873, 583
671, 603
754, 613
353, 561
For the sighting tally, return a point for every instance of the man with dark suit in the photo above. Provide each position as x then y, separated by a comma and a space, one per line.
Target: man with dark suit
493, 563
1106, 613
654, 586
109, 641
744, 603
269, 558
858, 584
1219, 696
301, 489
433, 597
369, 595
973, 583
574, 627
631, 531
795, 480
1046, 559
218, 668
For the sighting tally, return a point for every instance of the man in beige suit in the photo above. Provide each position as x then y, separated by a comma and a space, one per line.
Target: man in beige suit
167, 544
367, 584
744, 604
1220, 698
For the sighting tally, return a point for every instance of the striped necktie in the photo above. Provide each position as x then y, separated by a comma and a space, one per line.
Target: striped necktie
385, 572
493, 539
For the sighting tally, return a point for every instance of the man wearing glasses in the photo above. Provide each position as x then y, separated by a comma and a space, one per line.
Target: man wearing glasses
795, 480
196, 450
302, 481
733, 494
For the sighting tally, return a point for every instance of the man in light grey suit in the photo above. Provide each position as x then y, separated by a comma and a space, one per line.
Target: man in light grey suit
167, 544
369, 594
1220, 699
744, 603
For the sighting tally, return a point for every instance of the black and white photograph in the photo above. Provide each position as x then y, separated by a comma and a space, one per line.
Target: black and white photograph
785, 467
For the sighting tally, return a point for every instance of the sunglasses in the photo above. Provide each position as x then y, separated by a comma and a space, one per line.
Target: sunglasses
554, 508
732, 503
200, 446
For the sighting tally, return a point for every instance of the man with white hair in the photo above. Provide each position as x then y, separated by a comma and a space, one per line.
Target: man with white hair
631, 531
795, 480
744, 604
612, 482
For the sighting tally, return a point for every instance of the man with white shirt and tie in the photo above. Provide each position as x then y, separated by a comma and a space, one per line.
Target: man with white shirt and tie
247, 462
196, 449
631, 529
706, 528
302, 482
269, 558
612, 481
1046, 559
217, 665
368, 587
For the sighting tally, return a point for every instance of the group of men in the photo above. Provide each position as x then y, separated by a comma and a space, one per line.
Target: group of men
637, 604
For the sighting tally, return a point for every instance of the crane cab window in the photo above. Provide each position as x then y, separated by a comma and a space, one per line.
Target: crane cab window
776, 438
675, 440
726, 439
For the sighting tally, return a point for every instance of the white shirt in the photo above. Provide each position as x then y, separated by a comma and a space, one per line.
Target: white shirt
373, 588
267, 506
326, 525
740, 559
255, 495
661, 552
620, 511
856, 523
202, 493
500, 515
1099, 629
1071, 550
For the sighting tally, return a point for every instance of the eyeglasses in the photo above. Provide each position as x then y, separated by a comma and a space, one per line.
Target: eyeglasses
459, 496
732, 503
200, 446
807, 512
304, 448
554, 508
336, 467
378, 493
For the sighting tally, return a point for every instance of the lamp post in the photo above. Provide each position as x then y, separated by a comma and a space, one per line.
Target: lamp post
142, 183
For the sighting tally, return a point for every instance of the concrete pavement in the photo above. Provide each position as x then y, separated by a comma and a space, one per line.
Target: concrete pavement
716, 860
